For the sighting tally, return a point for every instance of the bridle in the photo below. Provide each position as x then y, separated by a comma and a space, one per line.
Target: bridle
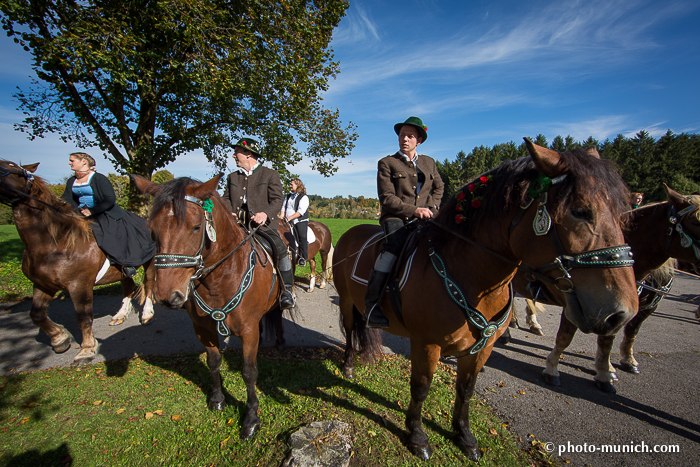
174, 260
22, 172
686, 239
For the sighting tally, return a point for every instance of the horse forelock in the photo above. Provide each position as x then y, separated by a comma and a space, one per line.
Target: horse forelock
589, 182
171, 195
694, 201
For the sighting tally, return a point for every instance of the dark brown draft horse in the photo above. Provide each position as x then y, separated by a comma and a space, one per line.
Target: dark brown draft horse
454, 282
323, 244
208, 264
61, 254
656, 233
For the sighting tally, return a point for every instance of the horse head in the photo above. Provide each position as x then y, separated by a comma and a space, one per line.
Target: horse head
683, 235
183, 217
15, 181
573, 235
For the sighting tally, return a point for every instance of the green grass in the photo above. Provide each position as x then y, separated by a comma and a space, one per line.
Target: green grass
152, 411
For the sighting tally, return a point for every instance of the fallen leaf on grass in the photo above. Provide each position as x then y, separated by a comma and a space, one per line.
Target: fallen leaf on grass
97, 403
158, 412
176, 418
522, 393
120, 411
149, 415
493, 431
221, 444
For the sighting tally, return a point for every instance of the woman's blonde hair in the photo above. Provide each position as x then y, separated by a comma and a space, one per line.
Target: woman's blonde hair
301, 189
85, 157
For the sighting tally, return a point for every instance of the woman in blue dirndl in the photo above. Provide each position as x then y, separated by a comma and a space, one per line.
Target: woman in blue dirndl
122, 235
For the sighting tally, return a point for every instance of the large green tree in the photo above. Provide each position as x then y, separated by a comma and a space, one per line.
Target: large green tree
149, 80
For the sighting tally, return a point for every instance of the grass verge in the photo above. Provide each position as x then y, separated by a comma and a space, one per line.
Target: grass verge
150, 411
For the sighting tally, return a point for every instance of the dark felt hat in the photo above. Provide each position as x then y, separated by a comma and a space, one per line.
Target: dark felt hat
249, 144
416, 122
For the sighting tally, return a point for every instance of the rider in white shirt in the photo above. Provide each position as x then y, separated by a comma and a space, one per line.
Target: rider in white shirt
295, 210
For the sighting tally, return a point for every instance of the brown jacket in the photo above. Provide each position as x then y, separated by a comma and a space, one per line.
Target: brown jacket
396, 185
264, 193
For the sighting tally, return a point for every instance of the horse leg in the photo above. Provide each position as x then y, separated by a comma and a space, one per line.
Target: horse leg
423, 363
312, 277
205, 330
127, 307
82, 300
565, 335
467, 371
349, 315
251, 422
60, 338
324, 269
149, 280
531, 319
627, 361
604, 371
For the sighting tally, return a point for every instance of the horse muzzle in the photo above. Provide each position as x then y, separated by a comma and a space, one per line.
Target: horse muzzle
595, 319
175, 301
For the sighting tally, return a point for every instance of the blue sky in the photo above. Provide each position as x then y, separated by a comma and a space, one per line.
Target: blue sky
476, 72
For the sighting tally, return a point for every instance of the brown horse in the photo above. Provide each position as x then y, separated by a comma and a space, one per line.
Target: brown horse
61, 254
323, 244
656, 233
454, 280
210, 265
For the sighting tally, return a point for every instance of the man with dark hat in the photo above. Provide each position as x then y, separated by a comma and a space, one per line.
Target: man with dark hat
256, 192
409, 188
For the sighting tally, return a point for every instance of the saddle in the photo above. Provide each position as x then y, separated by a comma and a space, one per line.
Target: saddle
394, 282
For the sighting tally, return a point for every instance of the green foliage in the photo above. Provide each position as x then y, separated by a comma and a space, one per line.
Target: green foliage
644, 163
160, 79
162, 176
153, 411
341, 208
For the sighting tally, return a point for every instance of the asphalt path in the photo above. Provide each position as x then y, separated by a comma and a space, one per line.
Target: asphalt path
652, 411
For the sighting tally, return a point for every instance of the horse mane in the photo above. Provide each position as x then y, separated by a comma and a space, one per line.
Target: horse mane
171, 193
664, 273
694, 201
61, 221
590, 182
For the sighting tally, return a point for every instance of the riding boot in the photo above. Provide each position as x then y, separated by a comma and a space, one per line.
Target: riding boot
374, 317
287, 298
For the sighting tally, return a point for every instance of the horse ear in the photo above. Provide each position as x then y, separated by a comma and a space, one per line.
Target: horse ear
31, 168
592, 151
546, 160
676, 198
206, 189
144, 185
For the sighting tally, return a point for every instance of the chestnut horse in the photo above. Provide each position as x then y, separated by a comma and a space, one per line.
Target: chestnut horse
454, 281
61, 254
656, 233
209, 264
323, 244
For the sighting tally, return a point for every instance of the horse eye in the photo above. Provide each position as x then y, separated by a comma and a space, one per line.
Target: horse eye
196, 228
582, 213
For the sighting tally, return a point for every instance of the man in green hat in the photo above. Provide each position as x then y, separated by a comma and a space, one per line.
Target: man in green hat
255, 192
409, 188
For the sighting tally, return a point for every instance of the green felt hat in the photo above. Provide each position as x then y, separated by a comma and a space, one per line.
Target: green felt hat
416, 122
249, 144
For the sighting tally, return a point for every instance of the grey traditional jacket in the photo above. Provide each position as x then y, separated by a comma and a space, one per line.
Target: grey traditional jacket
263, 189
397, 182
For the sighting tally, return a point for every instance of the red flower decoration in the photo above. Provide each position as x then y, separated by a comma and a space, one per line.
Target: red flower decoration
245, 143
471, 187
476, 203
459, 208
484, 179
461, 195
459, 218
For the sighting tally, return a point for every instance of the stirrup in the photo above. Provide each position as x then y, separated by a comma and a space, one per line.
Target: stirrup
287, 300
301, 262
375, 318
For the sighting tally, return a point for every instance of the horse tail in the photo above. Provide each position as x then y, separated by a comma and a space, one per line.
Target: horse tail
367, 341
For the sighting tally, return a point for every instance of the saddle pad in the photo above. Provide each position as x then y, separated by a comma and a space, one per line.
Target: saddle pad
103, 271
365, 258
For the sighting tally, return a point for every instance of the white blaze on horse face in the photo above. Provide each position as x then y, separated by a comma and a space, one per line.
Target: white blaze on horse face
171, 213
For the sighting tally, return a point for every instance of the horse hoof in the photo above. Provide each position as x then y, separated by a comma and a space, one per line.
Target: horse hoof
83, 360
63, 346
473, 454
505, 338
281, 345
116, 322
322, 286
606, 387
348, 373
537, 331
630, 368
217, 406
248, 432
551, 380
147, 321
422, 452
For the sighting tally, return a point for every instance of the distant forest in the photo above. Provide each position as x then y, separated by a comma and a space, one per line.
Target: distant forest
644, 163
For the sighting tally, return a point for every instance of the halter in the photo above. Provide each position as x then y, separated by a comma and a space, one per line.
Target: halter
22, 172
173, 260
687, 240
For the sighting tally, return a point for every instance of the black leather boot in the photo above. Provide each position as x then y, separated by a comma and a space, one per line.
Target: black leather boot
129, 271
375, 289
287, 299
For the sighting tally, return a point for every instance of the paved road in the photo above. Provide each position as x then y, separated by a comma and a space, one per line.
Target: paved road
655, 408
